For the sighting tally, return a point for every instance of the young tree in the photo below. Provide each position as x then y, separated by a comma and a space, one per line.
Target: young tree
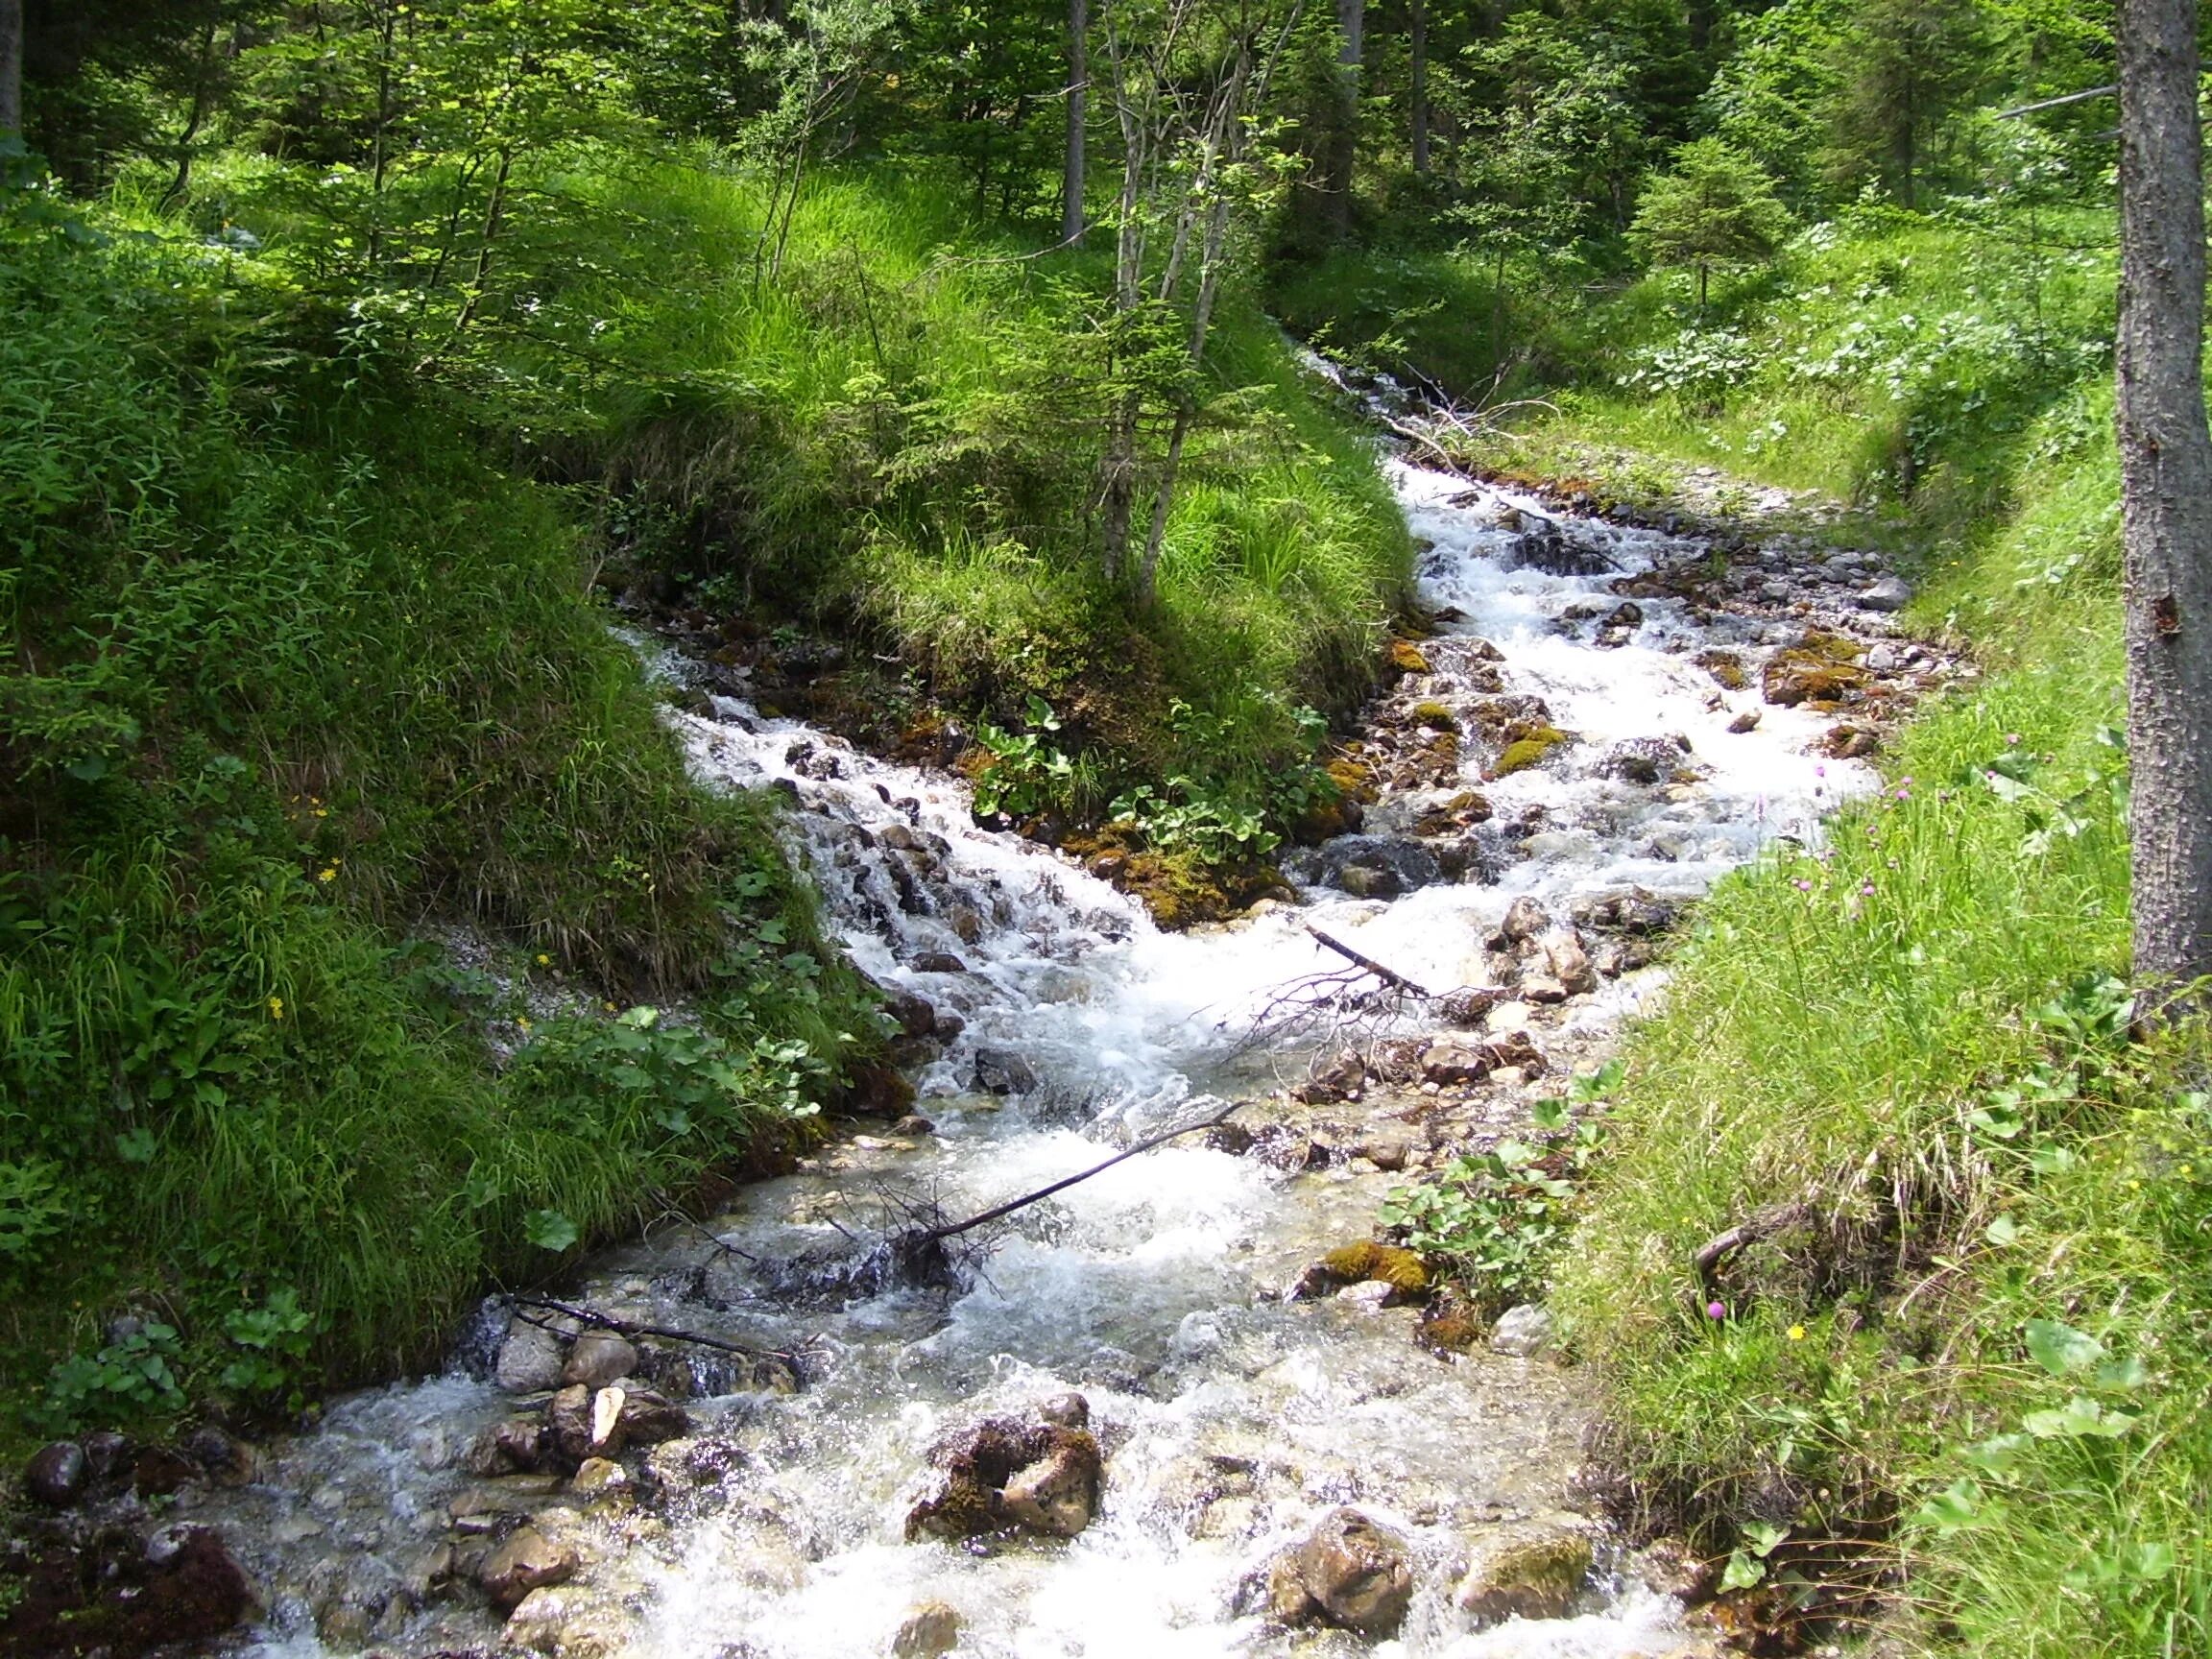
1903, 67
1714, 208
1072, 171
2166, 487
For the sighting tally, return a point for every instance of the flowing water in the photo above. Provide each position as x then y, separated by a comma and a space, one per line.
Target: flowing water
1230, 1415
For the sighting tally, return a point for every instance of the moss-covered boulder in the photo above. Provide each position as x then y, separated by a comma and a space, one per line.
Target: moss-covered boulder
1534, 1570
1529, 746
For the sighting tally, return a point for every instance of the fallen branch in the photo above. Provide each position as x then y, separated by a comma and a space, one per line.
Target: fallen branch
1390, 977
952, 1230
525, 1305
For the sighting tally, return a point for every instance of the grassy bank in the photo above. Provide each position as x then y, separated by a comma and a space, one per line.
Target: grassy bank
1953, 1364
290, 671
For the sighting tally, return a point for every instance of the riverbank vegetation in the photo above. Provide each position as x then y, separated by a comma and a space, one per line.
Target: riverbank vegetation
358, 353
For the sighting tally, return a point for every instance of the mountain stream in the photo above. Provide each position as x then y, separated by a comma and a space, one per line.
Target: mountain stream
1237, 1405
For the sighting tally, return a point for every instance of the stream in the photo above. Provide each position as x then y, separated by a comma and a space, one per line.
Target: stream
1237, 1405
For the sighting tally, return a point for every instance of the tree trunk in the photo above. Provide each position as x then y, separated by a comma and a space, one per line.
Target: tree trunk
1417, 32
1344, 131
2166, 487
1079, 99
10, 66
1701, 26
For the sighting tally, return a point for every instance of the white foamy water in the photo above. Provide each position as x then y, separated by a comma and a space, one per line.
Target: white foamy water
1231, 1418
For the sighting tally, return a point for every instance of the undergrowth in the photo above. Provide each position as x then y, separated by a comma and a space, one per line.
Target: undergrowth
287, 671
1945, 1364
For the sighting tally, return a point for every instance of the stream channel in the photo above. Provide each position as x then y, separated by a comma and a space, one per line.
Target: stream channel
1236, 1408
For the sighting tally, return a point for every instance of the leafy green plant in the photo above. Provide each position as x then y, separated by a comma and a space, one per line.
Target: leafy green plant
1025, 774
275, 1341
1497, 1218
131, 1377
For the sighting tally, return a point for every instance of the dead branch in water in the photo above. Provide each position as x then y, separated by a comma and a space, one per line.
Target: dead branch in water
528, 1308
1390, 977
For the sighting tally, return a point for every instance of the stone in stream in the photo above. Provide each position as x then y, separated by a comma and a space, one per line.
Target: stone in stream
1003, 1473
929, 1630
530, 1358
528, 1560
512, 1447
1567, 962
56, 1475
1467, 1006
1348, 1572
1524, 920
1450, 1060
1531, 1571
1003, 1071
599, 1357
1890, 593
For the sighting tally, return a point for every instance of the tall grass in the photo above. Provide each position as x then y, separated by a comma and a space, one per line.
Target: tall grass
1900, 1059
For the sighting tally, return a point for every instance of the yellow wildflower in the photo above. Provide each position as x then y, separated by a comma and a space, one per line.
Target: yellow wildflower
329, 875
1797, 1333
543, 960
275, 1007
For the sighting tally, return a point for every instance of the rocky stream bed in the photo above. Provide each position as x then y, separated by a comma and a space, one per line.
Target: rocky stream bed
1182, 1408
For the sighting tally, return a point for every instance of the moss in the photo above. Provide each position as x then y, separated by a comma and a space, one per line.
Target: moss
1407, 658
1355, 779
1725, 667
1809, 675
1436, 714
1391, 1264
1530, 748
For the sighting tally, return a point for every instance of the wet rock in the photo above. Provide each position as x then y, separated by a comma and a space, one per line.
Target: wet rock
1543, 989
1516, 1048
107, 1451
939, 962
530, 1358
1371, 1296
160, 1470
930, 1630
876, 1090
1567, 962
1334, 1079
1669, 1567
1003, 1071
1533, 1571
1524, 920
528, 1560
568, 1423
223, 1459
1821, 670
1388, 1147
1643, 761
566, 1622
1365, 881
599, 1477
916, 1015
1348, 1572
1467, 1006
1523, 1331
109, 1592
1067, 1410
56, 1475
1529, 746
913, 1123
1745, 722
1375, 866
1450, 1061
1058, 1494
512, 1447
1890, 593
648, 1418
599, 1357
1050, 1474
1850, 743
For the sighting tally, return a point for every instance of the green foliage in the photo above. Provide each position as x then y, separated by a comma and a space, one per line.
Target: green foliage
1025, 775
1498, 1220
126, 1380
1712, 207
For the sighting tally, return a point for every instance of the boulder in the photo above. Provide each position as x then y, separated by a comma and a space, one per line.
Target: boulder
1566, 961
1524, 920
1069, 1410
530, 1358
599, 1357
1531, 1570
1448, 1060
1003, 1071
929, 1630
1348, 1572
56, 1475
599, 1477
515, 1446
648, 1418
1058, 1494
528, 1560
1523, 1331
1003, 1473
568, 1423
1467, 1006
1890, 593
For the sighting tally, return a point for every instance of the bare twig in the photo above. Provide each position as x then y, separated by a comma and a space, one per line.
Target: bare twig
1390, 977
526, 1307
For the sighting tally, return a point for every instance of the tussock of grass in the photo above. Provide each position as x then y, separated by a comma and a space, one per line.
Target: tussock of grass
287, 671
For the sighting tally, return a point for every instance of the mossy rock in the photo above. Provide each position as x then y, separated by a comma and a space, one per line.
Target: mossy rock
1355, 779
1806, 675
1391, 1264
1182, 891
1530, 748
1436, 714
1725, 667
1407, 658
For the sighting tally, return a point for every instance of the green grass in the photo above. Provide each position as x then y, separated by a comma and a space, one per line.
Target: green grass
1891, 1056
288, 670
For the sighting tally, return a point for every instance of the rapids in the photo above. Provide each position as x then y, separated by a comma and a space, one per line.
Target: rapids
1231, 1416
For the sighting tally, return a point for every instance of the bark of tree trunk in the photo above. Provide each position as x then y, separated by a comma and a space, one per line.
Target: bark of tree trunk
1078, 100
2166, 487
10, 65
1344, 135
1417, 43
